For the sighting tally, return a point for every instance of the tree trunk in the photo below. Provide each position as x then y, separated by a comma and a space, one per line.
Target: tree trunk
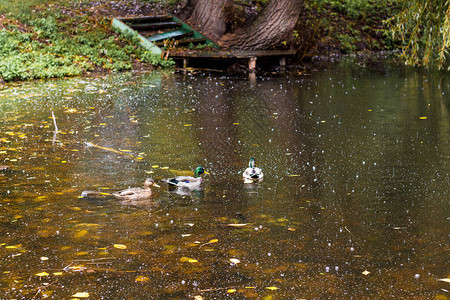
273, 26
208, 17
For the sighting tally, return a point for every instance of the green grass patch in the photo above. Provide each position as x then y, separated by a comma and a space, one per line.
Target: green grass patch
47, 39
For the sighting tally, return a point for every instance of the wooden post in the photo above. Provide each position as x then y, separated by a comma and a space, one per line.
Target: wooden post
282, 63
185, 63
252, 64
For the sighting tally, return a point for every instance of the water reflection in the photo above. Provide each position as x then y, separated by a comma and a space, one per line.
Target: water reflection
353, 204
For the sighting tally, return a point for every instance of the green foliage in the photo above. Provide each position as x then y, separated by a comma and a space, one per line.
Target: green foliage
52, 44
156, 60
424, 28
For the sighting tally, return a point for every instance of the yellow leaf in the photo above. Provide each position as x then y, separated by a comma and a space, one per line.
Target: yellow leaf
81, 233
188, 259
120, 246
13, 246
272, 288
57, 273
81, 295
142, 279
237, 225
155, 166
213, 241
231, 291
445, 280
42, 274
235, 260
366, 272
423, 118
198, 297
44, 258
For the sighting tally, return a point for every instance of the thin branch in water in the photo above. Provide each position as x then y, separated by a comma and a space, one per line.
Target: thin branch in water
56, 127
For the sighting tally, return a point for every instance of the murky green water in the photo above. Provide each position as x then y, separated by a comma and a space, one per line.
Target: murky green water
353, 204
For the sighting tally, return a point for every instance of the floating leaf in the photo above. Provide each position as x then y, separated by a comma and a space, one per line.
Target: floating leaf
81, 233
42, 274
44, 258
188, 259
198, 297
366, 272
57, 273
423, 118
142, 279
237, 225
81, 295
120, 246
235, 261
231, 291
272, 288
213, 241
445, 280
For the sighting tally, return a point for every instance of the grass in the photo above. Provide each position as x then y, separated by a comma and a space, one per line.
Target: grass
44, 39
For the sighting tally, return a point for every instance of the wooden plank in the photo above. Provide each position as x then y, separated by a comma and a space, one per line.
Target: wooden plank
231, 54
169, 35
160, 25
122, 27
145, 19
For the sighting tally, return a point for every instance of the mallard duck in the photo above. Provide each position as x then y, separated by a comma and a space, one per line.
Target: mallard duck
137, 193
252, 173
130, 194
188, 181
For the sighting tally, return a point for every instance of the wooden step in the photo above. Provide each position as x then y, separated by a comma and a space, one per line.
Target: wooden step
150, 26
146, 19
184, 42
175, 34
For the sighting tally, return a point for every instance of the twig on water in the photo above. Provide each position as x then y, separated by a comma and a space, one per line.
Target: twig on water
56, 127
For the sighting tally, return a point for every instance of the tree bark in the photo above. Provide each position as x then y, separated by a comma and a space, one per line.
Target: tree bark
273, 26
208, 17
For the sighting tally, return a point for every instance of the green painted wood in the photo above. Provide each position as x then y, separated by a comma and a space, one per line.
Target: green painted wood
150, 26
170, 34
122, 27
196, 35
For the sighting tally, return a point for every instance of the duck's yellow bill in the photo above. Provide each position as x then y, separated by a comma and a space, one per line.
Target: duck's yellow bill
156, 185
206, 172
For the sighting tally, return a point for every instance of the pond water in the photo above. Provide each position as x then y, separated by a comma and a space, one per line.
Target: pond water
353, 203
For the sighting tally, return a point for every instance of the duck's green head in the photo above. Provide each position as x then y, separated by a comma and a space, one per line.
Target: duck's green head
199, 171
252, 163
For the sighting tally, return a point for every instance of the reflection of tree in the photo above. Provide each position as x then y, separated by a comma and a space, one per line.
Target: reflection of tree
218, 135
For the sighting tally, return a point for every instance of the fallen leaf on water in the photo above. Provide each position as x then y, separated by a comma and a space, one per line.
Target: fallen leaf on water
231, 291
81, 295
291, 229
272, 288
235, 261
423, 118
57, 273
366, 272
213, 241
13, 246
120, 246
42, 274
44, 258
188, 259
198, 298
142, 279
80, 233
237, 225
445, 280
